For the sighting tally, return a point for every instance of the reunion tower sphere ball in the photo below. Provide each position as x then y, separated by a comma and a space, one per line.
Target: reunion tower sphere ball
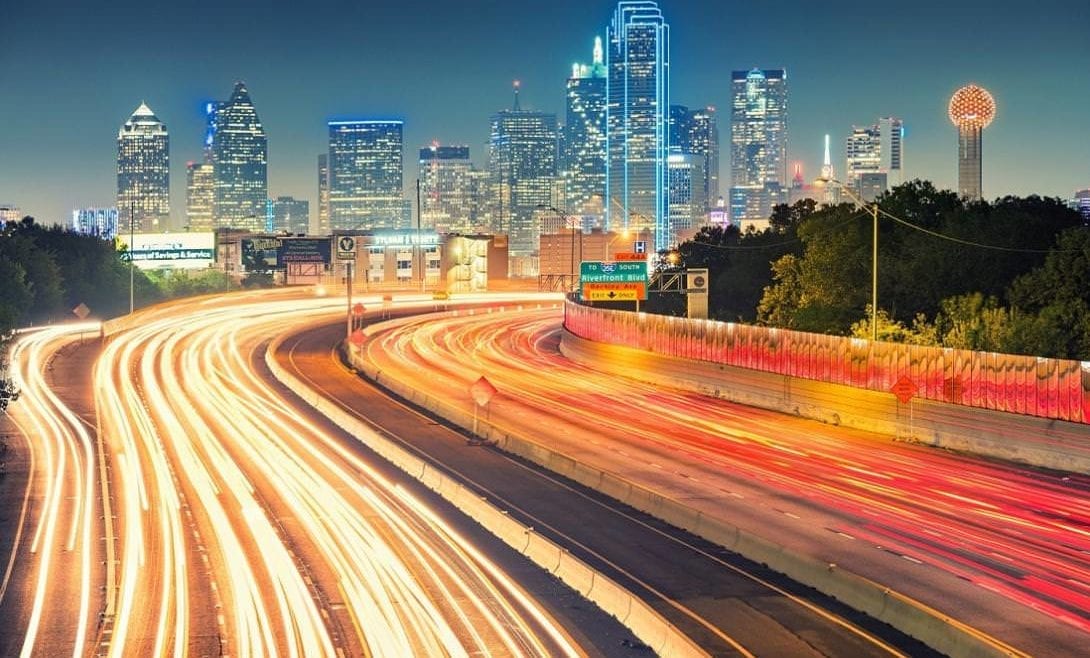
972, 107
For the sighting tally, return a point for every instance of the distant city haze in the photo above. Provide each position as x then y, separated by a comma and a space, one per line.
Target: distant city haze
71, 73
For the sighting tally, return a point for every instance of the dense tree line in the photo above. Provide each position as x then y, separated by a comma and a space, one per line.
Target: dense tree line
1011, 276
46, 272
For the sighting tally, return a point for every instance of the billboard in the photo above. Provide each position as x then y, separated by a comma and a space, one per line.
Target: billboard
303, 250
179, 251
259, 254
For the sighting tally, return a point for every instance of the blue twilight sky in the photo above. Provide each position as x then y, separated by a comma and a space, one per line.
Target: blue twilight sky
71, 72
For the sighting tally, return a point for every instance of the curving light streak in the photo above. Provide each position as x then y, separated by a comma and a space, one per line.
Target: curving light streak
1019, 533
192, 427
68, 462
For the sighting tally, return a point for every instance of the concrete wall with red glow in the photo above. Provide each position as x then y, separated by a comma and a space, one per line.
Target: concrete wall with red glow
1047, 388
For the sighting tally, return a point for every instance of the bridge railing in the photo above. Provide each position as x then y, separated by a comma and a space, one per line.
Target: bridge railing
1035, 386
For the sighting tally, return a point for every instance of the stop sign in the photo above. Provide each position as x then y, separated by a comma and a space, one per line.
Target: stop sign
357, 310
357, 338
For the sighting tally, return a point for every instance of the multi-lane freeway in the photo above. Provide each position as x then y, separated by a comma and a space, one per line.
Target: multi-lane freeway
194, 506
239, 525
1000, 547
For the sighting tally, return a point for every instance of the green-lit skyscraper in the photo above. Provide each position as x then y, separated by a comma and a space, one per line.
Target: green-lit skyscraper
637, 119
238, 151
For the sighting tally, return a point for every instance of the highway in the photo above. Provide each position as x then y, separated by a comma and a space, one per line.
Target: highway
51, 575
239, 521
730, 606
1000, 547
248, 529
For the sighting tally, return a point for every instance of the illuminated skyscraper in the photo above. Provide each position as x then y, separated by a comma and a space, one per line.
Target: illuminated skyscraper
446, 188
9, 213
365, 175
585, 136
200, 196
892, 132
637, 119
685, 193
99, 222
291, 215
972, 109
238, 150
758, 143
696, 132
863, 150
143, 172
1081, 203
323, 227
522, 158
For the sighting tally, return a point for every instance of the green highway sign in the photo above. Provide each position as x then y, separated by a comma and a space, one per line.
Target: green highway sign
618, 272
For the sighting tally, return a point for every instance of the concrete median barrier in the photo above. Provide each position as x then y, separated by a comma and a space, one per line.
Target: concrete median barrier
635, 614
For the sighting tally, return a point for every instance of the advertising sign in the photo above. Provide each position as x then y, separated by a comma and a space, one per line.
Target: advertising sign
303, 250
259, 254
185, 251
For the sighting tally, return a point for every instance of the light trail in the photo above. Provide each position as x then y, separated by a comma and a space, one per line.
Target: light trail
1019, 533
62, 448
228, 489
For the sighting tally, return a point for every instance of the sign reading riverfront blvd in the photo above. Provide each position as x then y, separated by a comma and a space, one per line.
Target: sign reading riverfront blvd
623, 272
619, 281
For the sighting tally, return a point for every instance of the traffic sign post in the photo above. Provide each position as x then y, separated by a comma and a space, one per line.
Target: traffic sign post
482, 391
614, 281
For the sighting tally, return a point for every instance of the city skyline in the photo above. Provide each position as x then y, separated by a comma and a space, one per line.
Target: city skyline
902, 78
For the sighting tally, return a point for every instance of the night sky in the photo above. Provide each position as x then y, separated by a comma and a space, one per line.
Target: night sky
72, 72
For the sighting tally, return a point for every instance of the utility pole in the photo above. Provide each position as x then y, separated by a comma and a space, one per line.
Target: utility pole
132, 260
348, 282
874, 276
418, 245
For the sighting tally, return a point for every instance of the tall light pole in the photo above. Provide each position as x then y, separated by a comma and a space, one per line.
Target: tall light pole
132, 260
871, 208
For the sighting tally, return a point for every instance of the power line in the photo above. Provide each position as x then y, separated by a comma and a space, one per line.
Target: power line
970, 243
779, 244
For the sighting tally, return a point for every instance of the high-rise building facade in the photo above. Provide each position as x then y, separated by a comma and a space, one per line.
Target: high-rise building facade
200, 193
522, 158
1081, 203
863, 150
99, 222
637, 119
892, 133
971, 109
446, 188
758, 143
687, 205
238, 150
143, 172
323, 227
290, 215
584, 146
9, 213
366, 175
696, 132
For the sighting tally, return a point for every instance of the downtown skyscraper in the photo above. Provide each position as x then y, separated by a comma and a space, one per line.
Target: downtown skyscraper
522, 161
758, 143
237, 148
446, 188
366, 175
143, 173
200, 195
696, 132
637, 119
584, 144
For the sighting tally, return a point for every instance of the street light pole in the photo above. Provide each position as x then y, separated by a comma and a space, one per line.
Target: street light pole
132, 260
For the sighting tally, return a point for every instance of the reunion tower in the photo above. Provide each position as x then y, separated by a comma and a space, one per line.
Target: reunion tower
972, 108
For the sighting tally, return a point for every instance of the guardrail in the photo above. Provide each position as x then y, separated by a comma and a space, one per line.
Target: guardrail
1034, 386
